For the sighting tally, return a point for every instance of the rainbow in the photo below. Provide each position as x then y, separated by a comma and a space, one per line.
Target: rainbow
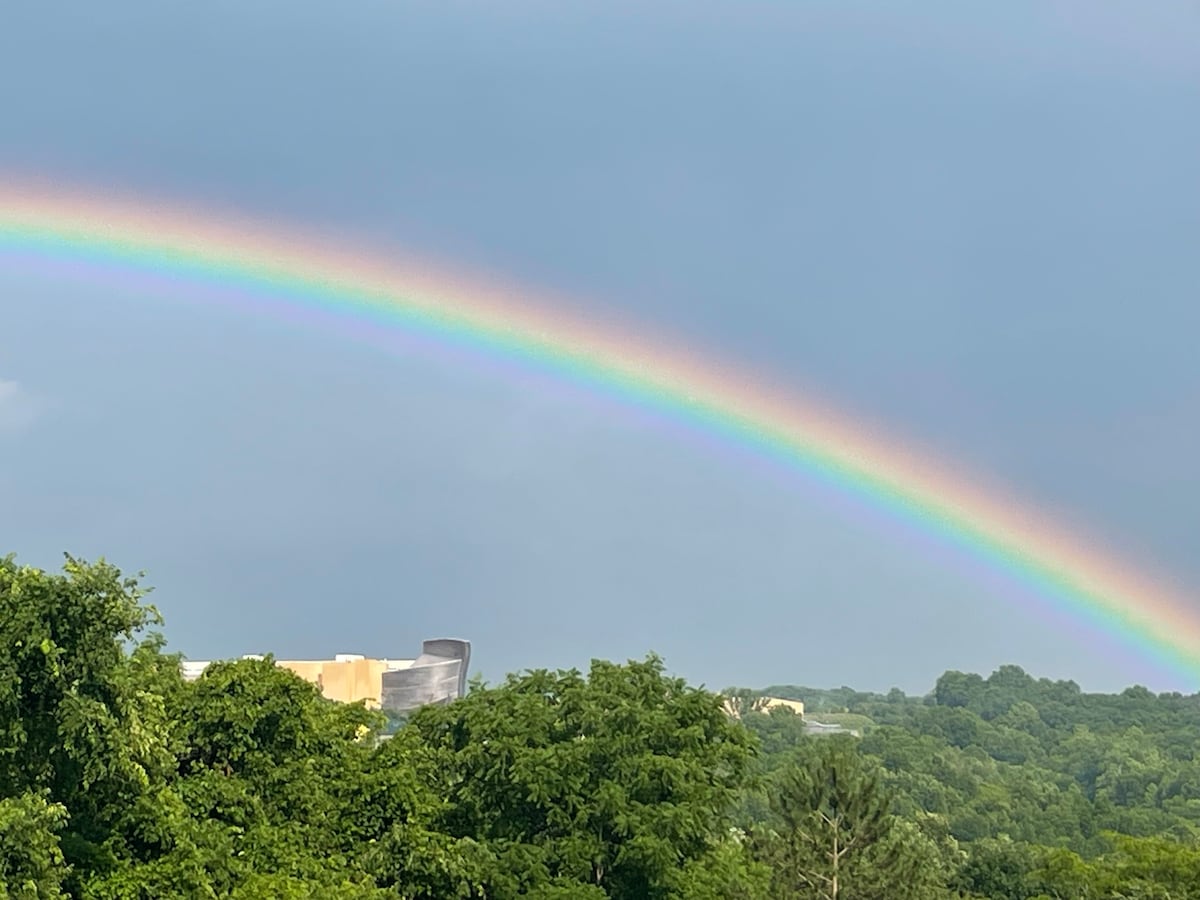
289, 270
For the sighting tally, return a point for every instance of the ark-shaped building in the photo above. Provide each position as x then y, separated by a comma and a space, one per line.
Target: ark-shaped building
438, 675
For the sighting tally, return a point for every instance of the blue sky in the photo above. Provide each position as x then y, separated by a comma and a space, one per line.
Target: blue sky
972, 226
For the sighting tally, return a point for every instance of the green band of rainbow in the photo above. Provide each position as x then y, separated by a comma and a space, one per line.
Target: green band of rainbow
1092, 587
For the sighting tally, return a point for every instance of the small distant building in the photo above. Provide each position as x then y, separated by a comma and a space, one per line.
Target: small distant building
438, 675
796, 706
735, 706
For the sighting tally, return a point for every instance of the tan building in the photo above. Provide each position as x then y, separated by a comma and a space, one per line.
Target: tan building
348, 677
796, 706
765, 704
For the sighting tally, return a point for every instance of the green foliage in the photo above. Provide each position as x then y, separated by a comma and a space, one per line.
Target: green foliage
832, 835
1037, 761
120, 780
1026, 777
1132, 869
615, 779
31, 860
80, 722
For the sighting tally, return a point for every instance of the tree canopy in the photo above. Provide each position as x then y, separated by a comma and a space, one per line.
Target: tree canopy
118, 779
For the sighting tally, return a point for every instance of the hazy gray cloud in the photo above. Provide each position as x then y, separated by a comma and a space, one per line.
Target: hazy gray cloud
17, 408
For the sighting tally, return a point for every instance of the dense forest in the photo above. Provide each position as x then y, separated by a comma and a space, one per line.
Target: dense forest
118, 779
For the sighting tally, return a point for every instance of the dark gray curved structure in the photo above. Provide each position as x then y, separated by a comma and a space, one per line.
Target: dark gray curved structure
438, 675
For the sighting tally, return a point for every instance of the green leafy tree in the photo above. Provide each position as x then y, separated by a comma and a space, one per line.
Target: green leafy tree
998, 869
833, 836
271, 773
77, 724
829, 810
31, 860
615, 780
1132, 869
